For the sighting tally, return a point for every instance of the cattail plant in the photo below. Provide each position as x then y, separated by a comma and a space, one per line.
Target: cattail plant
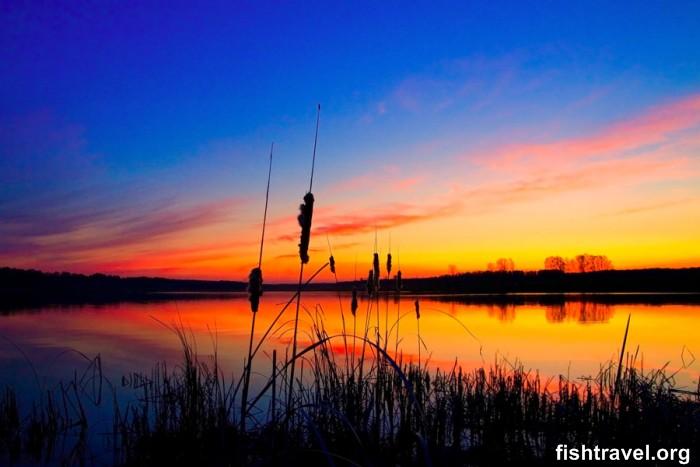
386, 310
306, 211
353, 303
397, 288
255, 291
331, 262
376, 276
376, 271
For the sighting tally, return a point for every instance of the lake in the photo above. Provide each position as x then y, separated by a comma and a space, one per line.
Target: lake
568, 337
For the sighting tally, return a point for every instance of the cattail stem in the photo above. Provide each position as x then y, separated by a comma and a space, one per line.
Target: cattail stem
368, 314
255, 290
353, 310
273, 407
313, 159
616, 390
418, 327
354, 343
331, 261
246, 383
386, 323
305, 217
290, 392
386, 311
417, 305
398, 319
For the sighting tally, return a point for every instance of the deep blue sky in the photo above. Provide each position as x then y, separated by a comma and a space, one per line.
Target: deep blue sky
133, 104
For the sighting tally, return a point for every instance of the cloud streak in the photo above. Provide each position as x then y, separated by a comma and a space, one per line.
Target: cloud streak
657, 126
75, 232
651, 147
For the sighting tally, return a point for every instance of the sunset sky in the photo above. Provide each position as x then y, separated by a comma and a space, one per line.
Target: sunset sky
134, 140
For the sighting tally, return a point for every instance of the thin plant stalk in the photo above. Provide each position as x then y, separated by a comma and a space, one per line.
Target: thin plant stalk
331, 261
622, 353
254, 300
305, 223
417, 305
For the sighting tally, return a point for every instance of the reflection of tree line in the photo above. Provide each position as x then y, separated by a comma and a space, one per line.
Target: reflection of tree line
502, 311
583, 312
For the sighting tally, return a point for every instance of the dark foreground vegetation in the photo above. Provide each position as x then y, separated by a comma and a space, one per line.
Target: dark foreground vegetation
26, 288
350, 411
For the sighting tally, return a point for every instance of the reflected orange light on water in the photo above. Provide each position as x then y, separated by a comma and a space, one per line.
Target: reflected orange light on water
574, 338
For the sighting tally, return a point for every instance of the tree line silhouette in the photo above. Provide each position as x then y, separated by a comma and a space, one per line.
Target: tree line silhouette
21, 288
579, 263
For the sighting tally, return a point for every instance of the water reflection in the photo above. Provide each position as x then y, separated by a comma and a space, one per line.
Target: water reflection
502, 311
583, 312
545, 333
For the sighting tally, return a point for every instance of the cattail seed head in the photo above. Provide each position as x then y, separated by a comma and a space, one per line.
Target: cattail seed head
417, 304
388, 264
255, 290
306, 212
353, 304
399, 284
370, 283
377, 272
331, 262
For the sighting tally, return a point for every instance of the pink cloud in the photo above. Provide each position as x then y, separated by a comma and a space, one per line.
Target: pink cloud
387, 216
387, 179
78, 234
589, 177
654, 127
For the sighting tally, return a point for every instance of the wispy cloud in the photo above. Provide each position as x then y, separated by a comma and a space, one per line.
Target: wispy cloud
651, 207
657, 126
650, 147
73, 230
384, 217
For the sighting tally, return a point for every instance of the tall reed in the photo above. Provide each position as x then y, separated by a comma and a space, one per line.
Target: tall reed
417, 305
306, 210
255, 291
331, 262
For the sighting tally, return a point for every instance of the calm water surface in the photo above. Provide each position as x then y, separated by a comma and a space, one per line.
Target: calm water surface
572, 338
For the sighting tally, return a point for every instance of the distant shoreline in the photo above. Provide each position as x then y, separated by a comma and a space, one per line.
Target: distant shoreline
29, 288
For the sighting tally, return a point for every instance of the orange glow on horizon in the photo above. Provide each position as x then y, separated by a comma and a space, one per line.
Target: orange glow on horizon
628, 191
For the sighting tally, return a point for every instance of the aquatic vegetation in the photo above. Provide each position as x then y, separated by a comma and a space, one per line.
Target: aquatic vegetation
397, 413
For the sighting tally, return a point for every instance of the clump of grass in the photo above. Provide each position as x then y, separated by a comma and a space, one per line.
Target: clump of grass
398, 413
